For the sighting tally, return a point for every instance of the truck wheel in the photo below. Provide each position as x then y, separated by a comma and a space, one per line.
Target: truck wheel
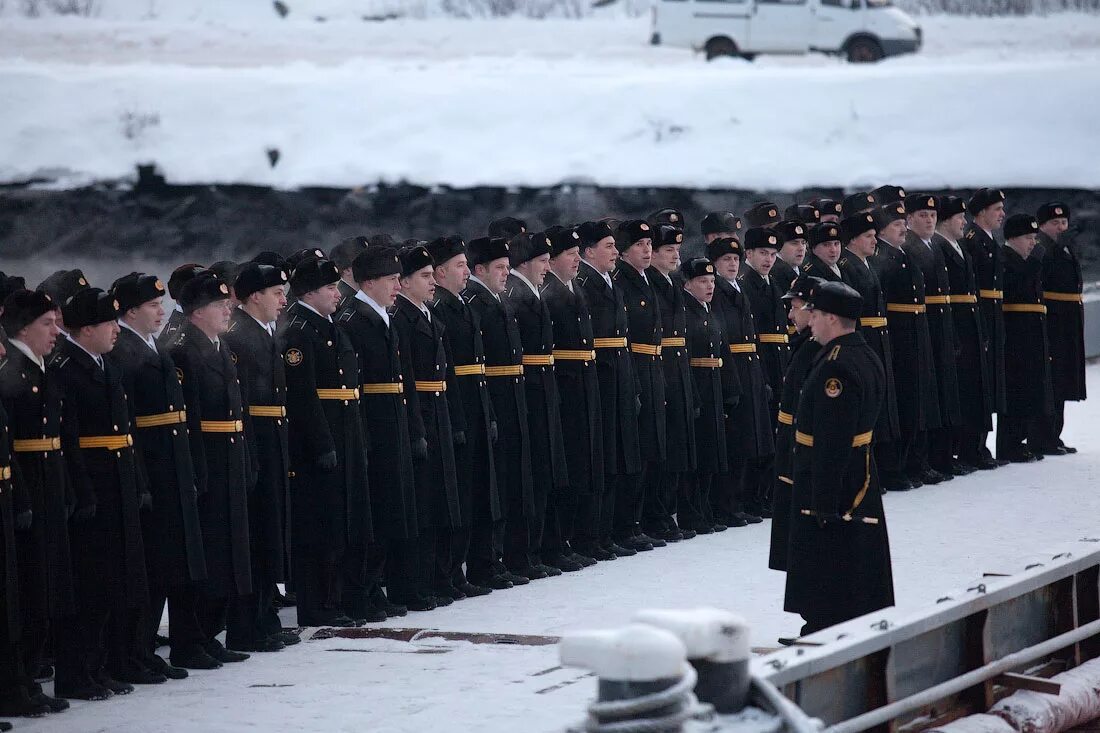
864, 51
720, 47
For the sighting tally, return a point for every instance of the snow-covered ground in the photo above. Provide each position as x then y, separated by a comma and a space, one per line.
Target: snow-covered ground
943, 537
205, 89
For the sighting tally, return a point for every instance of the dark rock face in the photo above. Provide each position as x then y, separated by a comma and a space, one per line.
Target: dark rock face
113, 227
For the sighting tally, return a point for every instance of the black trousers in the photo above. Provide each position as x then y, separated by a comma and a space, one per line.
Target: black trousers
81, 647
659, 491
892, 457
485, 558
969, 443
125, 638
318, 582
629, 496
212, 611
917, 462
355, 592
392, 562
425, 572
590, 505
1014, 430
757, 481
727, 491
561, 514
1049, 430
184, 632
693, 506
450, 553
941, 448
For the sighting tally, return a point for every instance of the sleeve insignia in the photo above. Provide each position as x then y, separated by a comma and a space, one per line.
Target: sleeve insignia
294, 357
833, 387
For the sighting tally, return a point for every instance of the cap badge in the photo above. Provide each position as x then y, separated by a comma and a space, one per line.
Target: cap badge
772, 240
870, 199
679, 237
901, 192
1058, 210
798, 230
282, 273
223, 290
644, 227
673, 217
771, 212
931, 201
710, 268
82, 281
115, 304
159, 285
576, 236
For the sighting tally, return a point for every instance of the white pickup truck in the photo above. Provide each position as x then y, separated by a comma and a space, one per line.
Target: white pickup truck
861, 30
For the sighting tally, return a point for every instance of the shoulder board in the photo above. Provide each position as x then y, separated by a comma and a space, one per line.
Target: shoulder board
297, 321
347, 315
615, 274
582, 280
970, 234
3, 363
843, 261
58, 361
233, 326
834, 353
469, 298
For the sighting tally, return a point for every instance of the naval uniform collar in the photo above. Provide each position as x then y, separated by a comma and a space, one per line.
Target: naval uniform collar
97, 358
147, 340
527, 282
38, 361
360, 295
307, 306
421, 307
605, 275
489, 290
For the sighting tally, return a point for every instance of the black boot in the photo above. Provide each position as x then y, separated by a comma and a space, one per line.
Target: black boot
21, 704
194, 658
215, 649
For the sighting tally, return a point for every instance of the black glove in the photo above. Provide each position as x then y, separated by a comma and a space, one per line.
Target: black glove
420, 450
145, 500
327, 461
459, 437
637, 405
493, 431
698, 413
84, 513
23, 519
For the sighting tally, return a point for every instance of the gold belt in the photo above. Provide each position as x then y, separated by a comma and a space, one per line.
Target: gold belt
610, 343
267, 411
857, 442
161, 419
937, 299
34, 445
706, 362
221, 426
906, 307
1024, 308
774, 338
872, 322
5, 473
382, 388
574, 355
677, 342
1063, 297
422, 386
786, 418
511, 370
964, 299
645, 349
742, 348
346, 393
538, 360
992, 294
110, 442
469, 370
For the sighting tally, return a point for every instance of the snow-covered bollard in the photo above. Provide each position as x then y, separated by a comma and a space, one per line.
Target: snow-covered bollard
643, 677
717, 644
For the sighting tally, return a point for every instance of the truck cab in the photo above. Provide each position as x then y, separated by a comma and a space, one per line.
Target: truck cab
861, 30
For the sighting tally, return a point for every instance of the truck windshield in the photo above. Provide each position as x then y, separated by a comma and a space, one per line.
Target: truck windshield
879, 3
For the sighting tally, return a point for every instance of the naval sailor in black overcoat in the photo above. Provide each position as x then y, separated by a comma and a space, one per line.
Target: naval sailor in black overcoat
176, 319
43, 495
331, 524
529, 256
97, 646
480, 538
424, 364
838, 566
620, 401
261, 289
681, 394
578, 384
174, 556
343, 256
792, 251
488, 260
9, 572
216, 420
825, 251
391, 558
645, 326
1062, 283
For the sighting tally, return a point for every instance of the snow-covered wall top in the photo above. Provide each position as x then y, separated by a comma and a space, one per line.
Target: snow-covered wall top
1009, 102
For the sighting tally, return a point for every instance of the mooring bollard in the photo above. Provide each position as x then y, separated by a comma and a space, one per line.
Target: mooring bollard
717, 644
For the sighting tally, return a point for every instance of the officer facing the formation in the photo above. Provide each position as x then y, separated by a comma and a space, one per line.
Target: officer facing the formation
424, 362
329, 497
480, 539
838, 564
391, 558
681, 397
706, 344
577, 510
1028, 390
96, 646
216, 421
932, 456
804, 350
858, 235
634, 240
975, 396
987, 211
488, 258
261, 289
32, 399
1065, 321
529, 255
174, 557
619, 399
